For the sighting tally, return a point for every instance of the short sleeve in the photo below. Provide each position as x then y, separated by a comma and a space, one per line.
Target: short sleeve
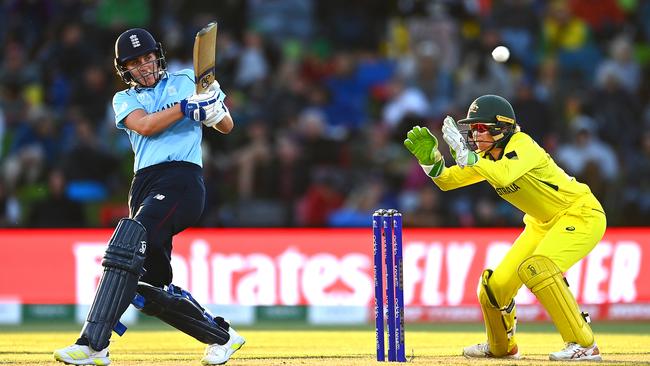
124, 103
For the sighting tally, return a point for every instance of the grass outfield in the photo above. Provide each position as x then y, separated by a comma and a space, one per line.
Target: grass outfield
152, 344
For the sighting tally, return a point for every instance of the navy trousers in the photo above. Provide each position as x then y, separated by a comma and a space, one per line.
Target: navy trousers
166, 198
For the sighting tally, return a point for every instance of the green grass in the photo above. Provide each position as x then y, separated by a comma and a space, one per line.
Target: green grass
294, 344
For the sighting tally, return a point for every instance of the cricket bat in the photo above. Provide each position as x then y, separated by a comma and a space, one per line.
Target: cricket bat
205, 53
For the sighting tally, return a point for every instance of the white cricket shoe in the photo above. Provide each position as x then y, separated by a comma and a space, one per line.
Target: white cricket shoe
82, 355
482, 350
218, 354
575, 352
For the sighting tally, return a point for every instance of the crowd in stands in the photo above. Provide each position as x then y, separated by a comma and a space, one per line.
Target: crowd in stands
322, 94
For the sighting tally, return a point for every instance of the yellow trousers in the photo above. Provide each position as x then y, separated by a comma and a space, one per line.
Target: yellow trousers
565, 239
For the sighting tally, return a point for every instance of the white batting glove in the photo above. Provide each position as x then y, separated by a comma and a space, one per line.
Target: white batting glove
198, 106
219, 109
216, 114
214, 86
450, 133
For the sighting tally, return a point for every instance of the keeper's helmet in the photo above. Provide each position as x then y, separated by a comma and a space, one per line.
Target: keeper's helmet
492, 113
134, 43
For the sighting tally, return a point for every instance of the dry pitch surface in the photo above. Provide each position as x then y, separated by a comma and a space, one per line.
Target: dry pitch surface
621, 344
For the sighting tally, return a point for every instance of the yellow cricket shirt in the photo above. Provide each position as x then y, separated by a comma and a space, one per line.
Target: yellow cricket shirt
525, 175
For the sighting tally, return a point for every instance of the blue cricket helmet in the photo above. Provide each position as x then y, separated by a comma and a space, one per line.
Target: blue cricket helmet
134, 43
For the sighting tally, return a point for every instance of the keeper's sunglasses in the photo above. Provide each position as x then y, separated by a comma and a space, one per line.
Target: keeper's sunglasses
479, 127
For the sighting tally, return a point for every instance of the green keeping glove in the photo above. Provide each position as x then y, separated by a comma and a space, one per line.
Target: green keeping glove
424, 146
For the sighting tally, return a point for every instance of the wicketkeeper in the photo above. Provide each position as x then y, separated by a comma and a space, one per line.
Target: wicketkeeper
563, 222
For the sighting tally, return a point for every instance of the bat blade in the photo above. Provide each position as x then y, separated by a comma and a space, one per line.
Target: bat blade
205, 52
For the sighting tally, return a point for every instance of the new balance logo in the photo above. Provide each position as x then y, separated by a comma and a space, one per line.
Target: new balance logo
159, 197
135, 42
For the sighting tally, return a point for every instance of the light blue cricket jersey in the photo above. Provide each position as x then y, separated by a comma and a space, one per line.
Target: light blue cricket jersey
181, 141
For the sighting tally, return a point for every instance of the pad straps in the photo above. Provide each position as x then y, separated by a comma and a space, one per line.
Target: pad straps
178, 308
123, 262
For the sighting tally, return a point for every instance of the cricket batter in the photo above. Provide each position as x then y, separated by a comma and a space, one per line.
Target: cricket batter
564, 221
163, 118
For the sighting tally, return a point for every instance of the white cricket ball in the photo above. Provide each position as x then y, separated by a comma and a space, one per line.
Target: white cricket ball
501, 54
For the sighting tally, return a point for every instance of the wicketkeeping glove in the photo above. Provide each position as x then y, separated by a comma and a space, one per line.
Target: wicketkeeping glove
424, 146
463, 156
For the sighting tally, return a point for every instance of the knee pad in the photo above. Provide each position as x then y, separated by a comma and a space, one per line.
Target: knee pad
546, 282
500, 321
178, 308
122, 263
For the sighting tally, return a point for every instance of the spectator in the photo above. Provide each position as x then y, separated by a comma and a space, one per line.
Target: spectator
520, 33
56, 210
33, 146
359, 206
533, 112
289, 175
615, 110
636, 206
318, 148
621, 63
404, 100
91, 94
323, 197
429, 210
588, 158
253, 66
15, 67
251, 160
479, 74
348, 93
87, 166
9, 207
568, 37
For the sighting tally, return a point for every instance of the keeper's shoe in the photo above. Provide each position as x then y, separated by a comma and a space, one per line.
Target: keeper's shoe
575, 352
82, 355
218, 354
482, 350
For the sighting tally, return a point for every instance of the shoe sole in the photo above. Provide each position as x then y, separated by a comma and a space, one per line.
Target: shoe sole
585, 358
509, 357
494, 358
86, 361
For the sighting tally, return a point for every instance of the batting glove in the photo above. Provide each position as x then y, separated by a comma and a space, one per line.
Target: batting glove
198, 106
424, 146
216, 114
463, 156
